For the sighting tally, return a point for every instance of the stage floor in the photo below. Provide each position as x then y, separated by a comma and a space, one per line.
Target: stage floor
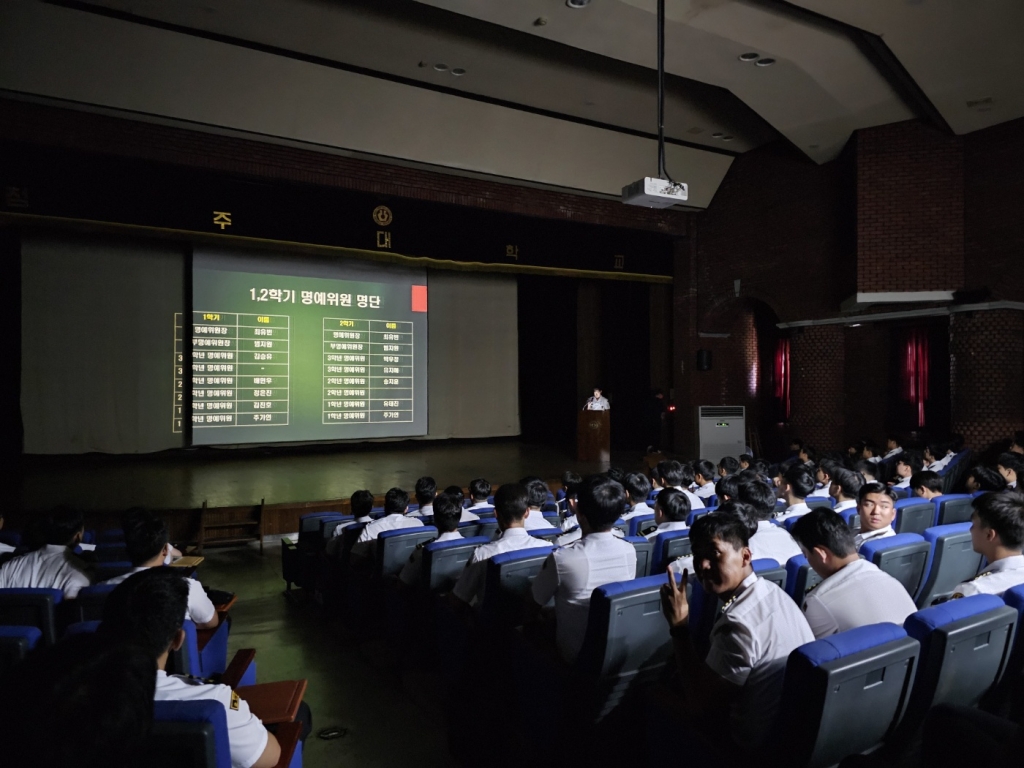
229, 478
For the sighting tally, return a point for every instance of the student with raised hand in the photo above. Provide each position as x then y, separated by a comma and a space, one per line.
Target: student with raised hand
148, 609
146, 540
769, 540
447, 512
981, 478
704, 475
926, 484
537, 491
846, 486
511, 509
571, 573
733, 693
396, 504
425, 490
853, 592
997, 534
54, 565
479, 491
637, 488
797, 483
1010, 465
671, 509
876, 508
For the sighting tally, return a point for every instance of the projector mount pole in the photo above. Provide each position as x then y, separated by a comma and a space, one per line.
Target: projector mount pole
662, 171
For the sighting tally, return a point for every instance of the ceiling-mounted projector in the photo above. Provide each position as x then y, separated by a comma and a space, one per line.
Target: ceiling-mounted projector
654, 193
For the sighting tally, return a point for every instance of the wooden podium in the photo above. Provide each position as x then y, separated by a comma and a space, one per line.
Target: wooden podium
594, 436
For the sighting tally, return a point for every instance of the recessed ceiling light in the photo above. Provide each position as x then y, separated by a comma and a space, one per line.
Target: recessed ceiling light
765, 62
727, 138
750, 56
577, 3
441, 67
717, 135
458, 71
540, 21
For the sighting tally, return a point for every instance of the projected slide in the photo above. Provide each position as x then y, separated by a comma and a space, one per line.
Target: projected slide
286, 350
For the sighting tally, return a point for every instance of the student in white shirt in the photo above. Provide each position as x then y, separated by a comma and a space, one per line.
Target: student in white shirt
447, 511
672, 474
704, 477
745, 460
868, 470
926, 484
982, 478
671, 509
425, 490
511, 510
361, 505
823, 475
853, 592
876, 509
797, 483
869, 452
729, 465
479, 492
997, 534
148, 609
54, 565
892, 447
637, 488
570, 484
145, 539
845, 489
936, 458
769, 540
396, 503
571, 573
1010, 466
740, 680
538, 496
907, 464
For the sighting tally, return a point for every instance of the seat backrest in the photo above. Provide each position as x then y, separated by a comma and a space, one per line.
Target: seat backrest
902, 556
844, 694
820, 502
111, 552
914, 515
444, 561
952, 508
800, 578
488, 529
31, 607
15, 644
669, 546
508, 582
394, 548
90, 601
82, 627
622, 525
547, 534
636, 524
193, 733
644, 549
696, 514
851, 518
965, 646
952, 560
470, 528
1014, 597
349, 537
770, 570
326, 526
626, 642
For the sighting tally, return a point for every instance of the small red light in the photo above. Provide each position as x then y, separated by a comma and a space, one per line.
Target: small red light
671, 407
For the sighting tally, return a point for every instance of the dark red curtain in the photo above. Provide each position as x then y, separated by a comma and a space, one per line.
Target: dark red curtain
781, 376
914, 371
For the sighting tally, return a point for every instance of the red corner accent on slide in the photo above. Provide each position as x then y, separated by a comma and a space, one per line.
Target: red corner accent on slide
419, 298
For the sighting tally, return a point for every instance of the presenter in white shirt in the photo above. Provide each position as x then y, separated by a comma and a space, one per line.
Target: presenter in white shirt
997, 534
732, 696
876, 509
597, 402
54, 565
853, 592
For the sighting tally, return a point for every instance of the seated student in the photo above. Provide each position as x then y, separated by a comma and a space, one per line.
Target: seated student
460, 497
98, 692
727, 488
571, 573
823, 476
671, 509
869, 452
570, 485
637, 488
997, 534
846, 486
797, 483
769, 540
740, 680
672, 474
808, 456
361, 504
145, 538
745, 459
618, 474
728, 466
876, 508
704, 477
569, 478
892, 447
936, 457
511, 510
396, 503
54, 565
853, 592
425, 490
147, 609
926, 484
868, 470
479, 491
1009, 465
538, 496
907, 464
984, 479
447, 511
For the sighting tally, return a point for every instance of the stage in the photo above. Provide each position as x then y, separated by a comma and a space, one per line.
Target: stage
228, 478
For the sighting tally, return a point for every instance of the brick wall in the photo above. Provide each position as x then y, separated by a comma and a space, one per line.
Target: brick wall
817, 389
986, 351
866, 382
910, 209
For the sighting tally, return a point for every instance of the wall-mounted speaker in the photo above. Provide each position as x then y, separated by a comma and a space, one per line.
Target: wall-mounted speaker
703, 359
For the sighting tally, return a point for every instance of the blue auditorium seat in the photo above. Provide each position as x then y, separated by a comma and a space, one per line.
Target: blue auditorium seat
546, 534
844, 694
639, 524
549, 507
851, 518
770, 570
711, 501
470, 528
488, 528
553, 520
914, 515
15, 644
508, 582
444, 561
644, 549
31, 607
622, 525
1014, 597
626, 644
88, 605
396, 546
82, 627
902, 556
952, 508
669, 546
326, 525
800, 578
652, 496
110, 535
951, 561
696, 514
193, 733
789, 523
965, 647
816, 503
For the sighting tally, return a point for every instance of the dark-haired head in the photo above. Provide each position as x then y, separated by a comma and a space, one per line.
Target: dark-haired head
64, 527
982, 478
926, 480
637, 487
799, 481
670, 472
510, 504
911, 461
396, 502
727, 488
599, 501
425, 490
148, 609
758, 495
824, 529
721, 547
848, 483
729, 465
479, 489
361, 503
705, 469
999, 515
673, 505
618, 474
456, 493
537, 491
447, 512
145, 537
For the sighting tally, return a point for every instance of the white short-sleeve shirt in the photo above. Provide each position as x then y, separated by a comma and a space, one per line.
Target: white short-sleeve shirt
411, 570
904, 483
995, 579
671, 525
638, 509
696, 502
750, 644
387, 523
793, 510
425, 511
470, 586
598, 404
536, 520
773, 541
881, 533
247, 736
819, 493
856, 595
51, 567
705, 491
572, 573
468, 517
4, 548
200, 607
577, 533
842, 506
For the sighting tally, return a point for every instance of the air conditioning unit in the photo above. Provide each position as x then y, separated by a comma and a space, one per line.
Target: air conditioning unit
722, 431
